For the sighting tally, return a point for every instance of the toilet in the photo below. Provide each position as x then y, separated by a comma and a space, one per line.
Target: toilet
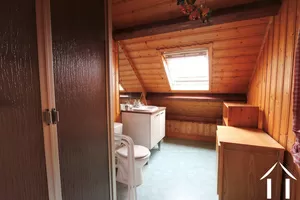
141, 154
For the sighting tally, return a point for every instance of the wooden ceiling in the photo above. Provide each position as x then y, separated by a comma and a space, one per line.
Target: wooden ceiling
236, 32
129, 13
236, 46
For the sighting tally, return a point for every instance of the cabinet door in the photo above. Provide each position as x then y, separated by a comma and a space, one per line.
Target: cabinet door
155, 129
22, 155
219, 165
137, 126
162, 125
79, 51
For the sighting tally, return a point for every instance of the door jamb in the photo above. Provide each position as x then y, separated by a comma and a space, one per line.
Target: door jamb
45, 58
110, 98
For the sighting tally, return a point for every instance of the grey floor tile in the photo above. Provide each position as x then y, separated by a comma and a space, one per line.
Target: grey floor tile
181, 170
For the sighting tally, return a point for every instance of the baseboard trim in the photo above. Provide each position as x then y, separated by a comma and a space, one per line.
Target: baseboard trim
211, 139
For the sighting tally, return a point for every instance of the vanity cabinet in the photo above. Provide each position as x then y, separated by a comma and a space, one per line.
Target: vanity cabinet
145, 128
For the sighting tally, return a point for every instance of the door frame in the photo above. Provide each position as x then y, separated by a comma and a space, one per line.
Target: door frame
45, 58
110, 84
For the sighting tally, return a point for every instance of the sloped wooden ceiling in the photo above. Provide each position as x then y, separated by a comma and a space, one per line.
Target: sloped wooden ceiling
128, 13
236, 46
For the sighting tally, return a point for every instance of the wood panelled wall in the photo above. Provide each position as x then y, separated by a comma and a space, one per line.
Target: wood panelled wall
195, 110
271, 86
116, 89
193, 116
191, 130
235, 47
191, 119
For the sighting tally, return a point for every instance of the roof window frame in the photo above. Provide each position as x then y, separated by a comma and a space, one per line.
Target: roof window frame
172, 50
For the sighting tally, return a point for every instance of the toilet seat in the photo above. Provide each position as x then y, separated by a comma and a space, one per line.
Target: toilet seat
139, 152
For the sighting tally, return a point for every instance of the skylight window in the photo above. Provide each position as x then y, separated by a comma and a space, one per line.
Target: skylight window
188, 70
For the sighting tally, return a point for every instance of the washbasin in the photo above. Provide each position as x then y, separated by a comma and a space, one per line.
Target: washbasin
146, 108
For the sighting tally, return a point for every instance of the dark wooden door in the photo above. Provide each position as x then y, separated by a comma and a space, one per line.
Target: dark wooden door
78, 32
22, 156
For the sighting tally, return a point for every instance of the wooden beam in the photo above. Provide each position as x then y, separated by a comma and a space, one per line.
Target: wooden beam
136, 72
197, 97
257, 9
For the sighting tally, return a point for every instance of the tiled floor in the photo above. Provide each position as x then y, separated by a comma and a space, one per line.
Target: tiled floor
181, 170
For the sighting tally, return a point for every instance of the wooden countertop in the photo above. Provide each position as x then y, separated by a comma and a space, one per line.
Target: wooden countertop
145, 112
246, 136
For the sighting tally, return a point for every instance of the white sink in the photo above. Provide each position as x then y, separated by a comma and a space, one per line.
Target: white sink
146, 108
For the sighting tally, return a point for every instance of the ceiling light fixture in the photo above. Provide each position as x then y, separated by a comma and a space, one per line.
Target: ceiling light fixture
195, 12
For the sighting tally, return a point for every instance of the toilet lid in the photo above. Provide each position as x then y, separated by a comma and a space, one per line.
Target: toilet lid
139, 151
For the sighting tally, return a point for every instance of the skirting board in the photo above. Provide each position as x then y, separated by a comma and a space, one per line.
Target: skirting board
192, 137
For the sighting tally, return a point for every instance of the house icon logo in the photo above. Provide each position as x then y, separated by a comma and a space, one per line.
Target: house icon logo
287, 181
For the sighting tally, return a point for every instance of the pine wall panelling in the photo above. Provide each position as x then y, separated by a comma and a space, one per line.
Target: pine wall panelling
191, 130
235, 49
116, 81
191, 119
271, 86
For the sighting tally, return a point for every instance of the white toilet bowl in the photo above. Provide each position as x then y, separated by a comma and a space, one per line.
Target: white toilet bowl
141, 154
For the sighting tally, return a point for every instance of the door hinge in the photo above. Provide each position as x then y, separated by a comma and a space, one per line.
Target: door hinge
51, 116
55, 116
